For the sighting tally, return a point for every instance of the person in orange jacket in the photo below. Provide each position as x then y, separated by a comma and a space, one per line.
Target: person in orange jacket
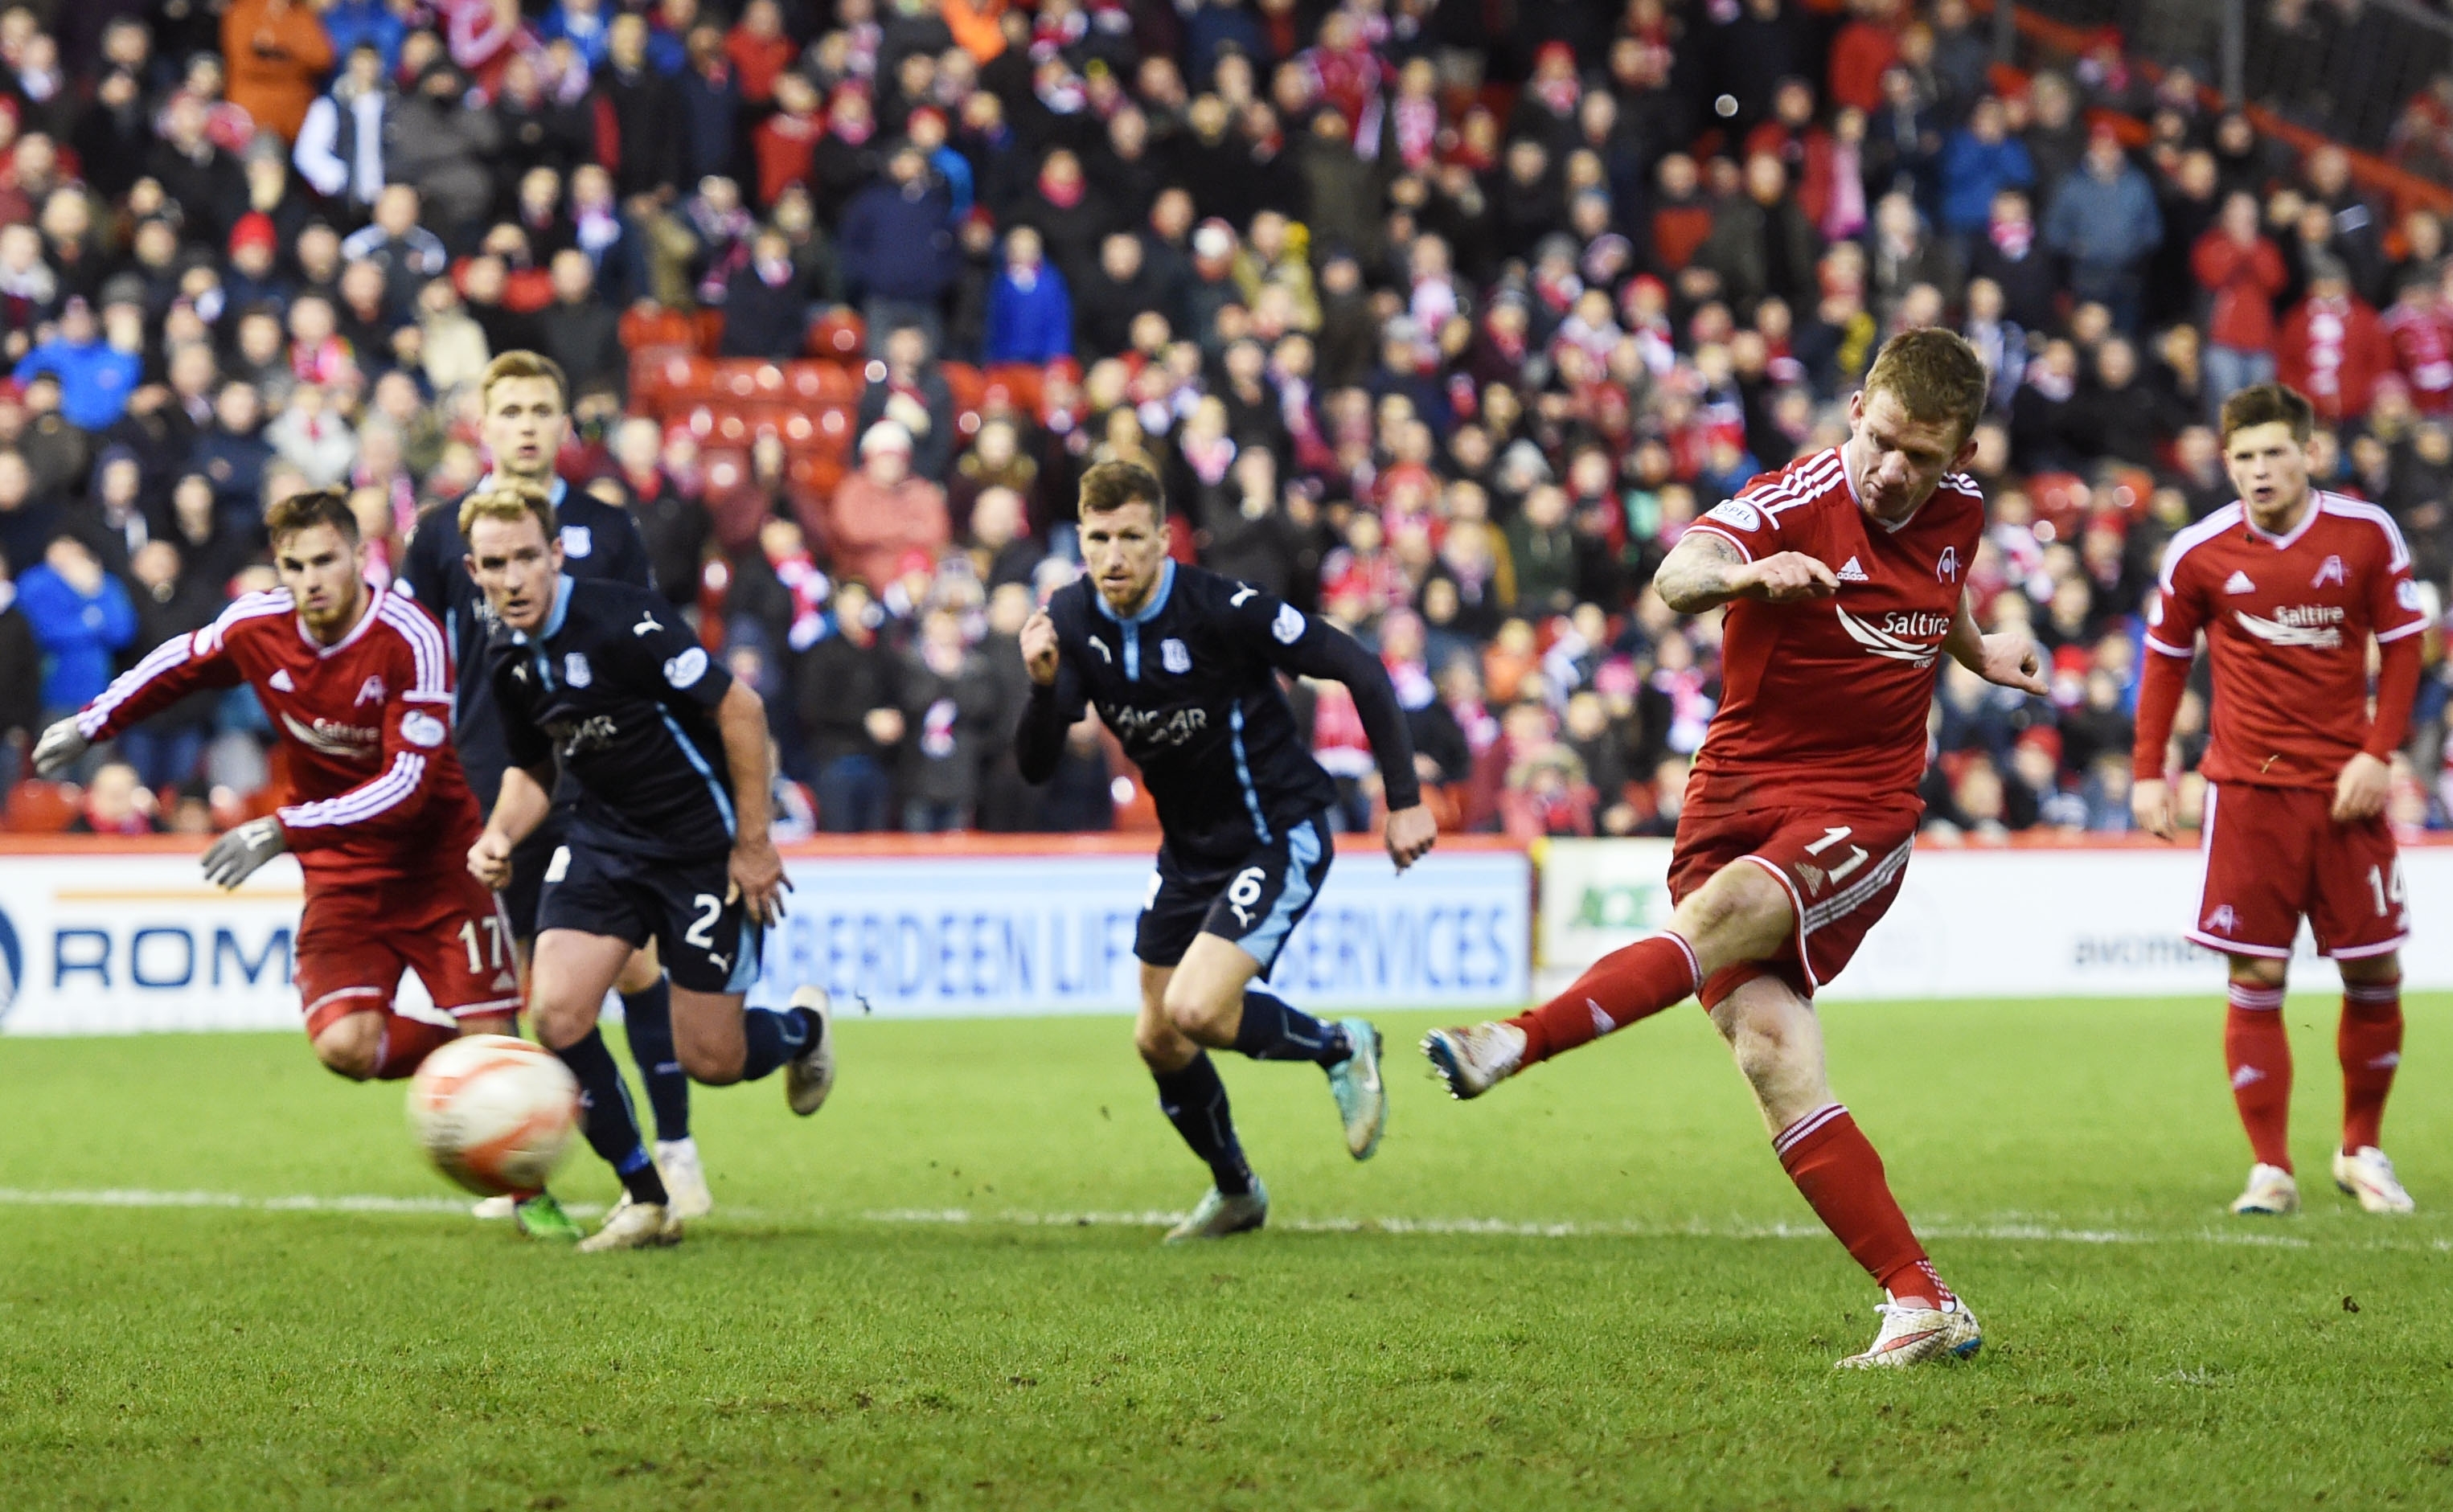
277, 54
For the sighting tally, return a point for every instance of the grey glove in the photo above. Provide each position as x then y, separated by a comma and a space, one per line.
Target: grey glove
60, 749
235, 856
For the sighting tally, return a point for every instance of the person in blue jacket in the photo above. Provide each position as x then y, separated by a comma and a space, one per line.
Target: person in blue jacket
1030, 311
82, 619
95, 376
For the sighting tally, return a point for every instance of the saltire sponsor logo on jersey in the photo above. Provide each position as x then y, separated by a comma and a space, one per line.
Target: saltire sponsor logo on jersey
333, 737
2238, 583
2331, 570
576, 671
2318, 625
370, 691
1890, 640
1174, 656
282, 680
1852, 571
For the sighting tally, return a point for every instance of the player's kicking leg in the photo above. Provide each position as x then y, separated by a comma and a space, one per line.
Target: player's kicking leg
1742, 915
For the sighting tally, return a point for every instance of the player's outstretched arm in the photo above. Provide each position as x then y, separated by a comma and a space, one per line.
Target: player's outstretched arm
170, 672
757, 869
1311, 646
1706, 569
2008, 660
526, 799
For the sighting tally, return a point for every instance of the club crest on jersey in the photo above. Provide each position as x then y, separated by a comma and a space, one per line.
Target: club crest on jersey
1853, 571
2332, 571
1288, 626
2222, 920
421, 729
577, 539
2238, 583
1946, 569
281, 681
370, 691
1172, 655
576, 671
2407, 594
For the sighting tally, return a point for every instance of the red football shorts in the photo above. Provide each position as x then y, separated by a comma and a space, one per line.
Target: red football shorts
353, 944
2275, 855
1842, 870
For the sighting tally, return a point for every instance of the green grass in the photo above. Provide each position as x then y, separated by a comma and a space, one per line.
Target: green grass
1665, 1341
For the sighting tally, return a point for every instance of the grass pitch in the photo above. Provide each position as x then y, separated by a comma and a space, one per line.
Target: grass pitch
226, 1280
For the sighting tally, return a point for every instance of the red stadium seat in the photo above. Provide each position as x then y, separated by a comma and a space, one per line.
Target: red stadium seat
1019, 384
658, 328
823, 382
37, 808
966, 383
839, 335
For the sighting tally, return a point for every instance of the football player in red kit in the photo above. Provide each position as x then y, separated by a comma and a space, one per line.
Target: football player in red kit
1843, 576
2288, 585
356, 682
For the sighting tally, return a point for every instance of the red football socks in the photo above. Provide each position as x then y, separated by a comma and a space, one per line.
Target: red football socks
1835, 1167
2369, 1043
2258, 1053
406, 1043
1624, 986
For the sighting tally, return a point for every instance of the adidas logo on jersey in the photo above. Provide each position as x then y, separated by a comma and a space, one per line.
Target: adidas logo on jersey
1851, 572
281, 680
2238, 583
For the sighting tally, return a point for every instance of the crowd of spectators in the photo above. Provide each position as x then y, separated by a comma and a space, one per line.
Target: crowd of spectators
1442, 317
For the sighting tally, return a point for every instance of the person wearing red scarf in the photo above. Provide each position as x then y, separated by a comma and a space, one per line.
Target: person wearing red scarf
2332, 348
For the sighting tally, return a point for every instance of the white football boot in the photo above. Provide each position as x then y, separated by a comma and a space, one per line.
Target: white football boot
634, 1226
493, 1207
677, 1162
1216, 1217
810, 1075
2272, 1191
1473, 1060
2367, 1173
1913, 1336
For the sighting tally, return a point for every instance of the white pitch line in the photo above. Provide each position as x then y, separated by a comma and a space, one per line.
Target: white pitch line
2008, 1227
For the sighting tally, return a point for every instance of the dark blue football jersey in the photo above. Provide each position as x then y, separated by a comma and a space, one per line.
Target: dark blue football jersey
1189, 686
619, 689
598, 541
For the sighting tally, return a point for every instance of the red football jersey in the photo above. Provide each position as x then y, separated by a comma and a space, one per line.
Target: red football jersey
375, 784
2287, 619
1825, 700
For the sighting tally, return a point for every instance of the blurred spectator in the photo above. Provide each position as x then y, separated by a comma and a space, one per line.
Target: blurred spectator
882, 514
2103, 219
851, 709
117, 804
953, 712
1029, 312
81, 618
2242, 271
2331, 347
277, 55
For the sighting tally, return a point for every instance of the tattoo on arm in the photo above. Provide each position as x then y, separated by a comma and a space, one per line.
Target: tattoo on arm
1699, 572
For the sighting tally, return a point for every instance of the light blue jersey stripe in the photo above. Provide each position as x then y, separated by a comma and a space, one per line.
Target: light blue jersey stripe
1243, 772
723, 804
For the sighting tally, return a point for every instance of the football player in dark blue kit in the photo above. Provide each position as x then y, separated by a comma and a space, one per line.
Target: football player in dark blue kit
667, 841
525, 420
1183, 665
